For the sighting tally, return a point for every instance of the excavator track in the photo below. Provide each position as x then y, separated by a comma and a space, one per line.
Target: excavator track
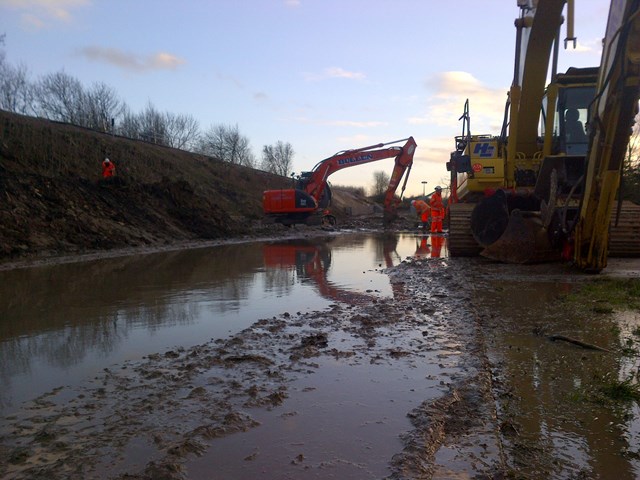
461, 241
624, 238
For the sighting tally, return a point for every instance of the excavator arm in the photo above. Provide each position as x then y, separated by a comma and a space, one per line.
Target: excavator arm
610, 121
299, 204
351, 158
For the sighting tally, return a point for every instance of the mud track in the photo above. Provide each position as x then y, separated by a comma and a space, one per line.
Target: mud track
453, 377
168, 415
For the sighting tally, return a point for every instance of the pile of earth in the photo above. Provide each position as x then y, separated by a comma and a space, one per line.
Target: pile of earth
54, 200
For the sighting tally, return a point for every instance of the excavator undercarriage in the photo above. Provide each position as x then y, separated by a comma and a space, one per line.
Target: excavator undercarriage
522, 238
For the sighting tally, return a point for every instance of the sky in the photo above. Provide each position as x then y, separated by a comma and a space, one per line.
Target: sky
322, 75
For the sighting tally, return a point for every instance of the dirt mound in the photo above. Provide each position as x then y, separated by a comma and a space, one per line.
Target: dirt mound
55, 201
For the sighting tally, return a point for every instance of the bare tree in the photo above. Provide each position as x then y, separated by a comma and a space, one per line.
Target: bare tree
278, 158
16, 91
380, 182
211, 142
101, 105
130, 124
227, 144
182, 131
60, 97
152, 125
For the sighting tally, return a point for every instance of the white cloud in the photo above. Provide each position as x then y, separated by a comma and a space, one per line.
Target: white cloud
448, 93
33, 22
337, 72
132, 62
355, 141
354, 124
334, 72
40, 13
593, 46
434, 150
292, 3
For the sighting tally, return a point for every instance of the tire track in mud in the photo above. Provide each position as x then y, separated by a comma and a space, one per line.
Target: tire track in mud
166, 416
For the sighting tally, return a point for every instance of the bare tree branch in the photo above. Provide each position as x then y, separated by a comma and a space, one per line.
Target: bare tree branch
278, 158
228, 144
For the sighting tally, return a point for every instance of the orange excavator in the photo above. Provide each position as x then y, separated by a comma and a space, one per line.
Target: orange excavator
307, 203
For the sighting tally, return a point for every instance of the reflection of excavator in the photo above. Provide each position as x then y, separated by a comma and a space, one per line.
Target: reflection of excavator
523, 198
312, 261
306, 203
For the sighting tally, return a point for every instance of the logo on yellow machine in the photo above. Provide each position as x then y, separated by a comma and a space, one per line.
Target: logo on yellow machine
477, 167
484, 150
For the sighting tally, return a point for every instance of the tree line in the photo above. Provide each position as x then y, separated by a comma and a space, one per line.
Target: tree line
61, 97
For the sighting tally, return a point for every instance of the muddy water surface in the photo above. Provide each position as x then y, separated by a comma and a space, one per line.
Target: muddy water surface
555, 421
303, 360
61, 324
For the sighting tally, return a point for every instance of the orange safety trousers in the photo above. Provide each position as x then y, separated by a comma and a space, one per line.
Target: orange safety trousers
437, 215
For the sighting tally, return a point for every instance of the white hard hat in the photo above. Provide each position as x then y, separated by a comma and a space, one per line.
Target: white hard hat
107, 160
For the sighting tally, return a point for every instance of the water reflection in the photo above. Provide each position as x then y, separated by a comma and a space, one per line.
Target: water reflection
309, 262
430, 246
61, 324
554, 419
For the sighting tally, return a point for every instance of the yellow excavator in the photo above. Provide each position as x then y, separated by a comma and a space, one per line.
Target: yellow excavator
545, 188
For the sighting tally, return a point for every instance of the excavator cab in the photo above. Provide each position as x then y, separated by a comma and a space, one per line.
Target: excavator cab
570, 96
521, 226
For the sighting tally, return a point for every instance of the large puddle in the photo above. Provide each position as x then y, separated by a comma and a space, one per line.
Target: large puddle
62, 324
300, 359
555, 422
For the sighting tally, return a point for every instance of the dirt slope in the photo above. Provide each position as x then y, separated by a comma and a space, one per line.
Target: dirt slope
53, 199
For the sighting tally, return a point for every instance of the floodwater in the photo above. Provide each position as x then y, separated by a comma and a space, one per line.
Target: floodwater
63, 324
319, 367
555, 422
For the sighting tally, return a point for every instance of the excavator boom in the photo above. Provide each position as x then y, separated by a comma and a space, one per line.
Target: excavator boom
610, 122
312, 193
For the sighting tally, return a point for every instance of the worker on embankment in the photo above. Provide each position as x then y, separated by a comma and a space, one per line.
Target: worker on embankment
422, 210
108, 168
437, 210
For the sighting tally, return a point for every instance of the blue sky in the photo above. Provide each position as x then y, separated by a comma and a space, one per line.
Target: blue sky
323, 75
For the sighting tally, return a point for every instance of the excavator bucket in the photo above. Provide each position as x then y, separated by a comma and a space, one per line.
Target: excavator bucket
388, 217
524, 240
510, 229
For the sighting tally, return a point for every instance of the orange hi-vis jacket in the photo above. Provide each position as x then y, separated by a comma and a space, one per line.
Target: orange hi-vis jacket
422, 209
108, 169
437, 207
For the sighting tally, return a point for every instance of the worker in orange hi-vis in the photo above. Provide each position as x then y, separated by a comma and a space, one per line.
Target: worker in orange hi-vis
422, 209
108, 168
437, 210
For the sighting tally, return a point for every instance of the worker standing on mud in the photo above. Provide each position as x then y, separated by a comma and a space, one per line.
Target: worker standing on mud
108, 168
437, 210
422, 210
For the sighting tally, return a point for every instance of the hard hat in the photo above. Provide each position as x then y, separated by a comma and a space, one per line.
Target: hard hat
438, 188
413, 202
107, 160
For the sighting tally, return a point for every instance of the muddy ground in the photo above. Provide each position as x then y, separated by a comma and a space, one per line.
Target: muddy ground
456, 376
53, 200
